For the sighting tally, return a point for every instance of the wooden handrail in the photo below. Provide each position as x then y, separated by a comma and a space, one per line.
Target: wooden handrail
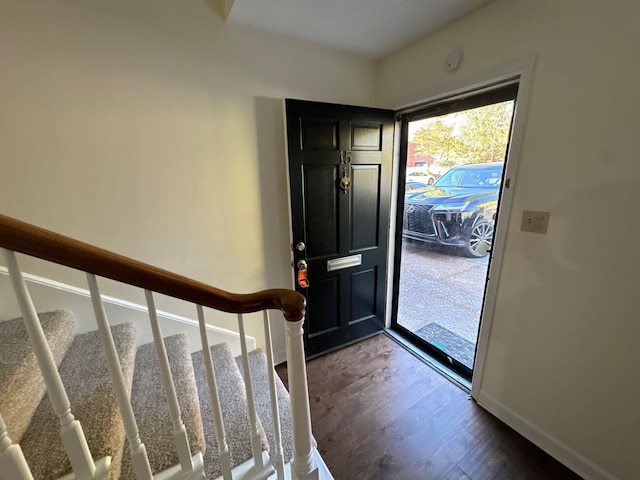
38, 242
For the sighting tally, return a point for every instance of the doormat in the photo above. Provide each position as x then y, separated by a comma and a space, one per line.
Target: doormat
450, 343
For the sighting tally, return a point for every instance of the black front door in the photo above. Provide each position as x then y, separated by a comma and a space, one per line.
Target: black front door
340, 182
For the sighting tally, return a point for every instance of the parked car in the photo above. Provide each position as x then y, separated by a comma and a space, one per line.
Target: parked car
420, 174
458, 210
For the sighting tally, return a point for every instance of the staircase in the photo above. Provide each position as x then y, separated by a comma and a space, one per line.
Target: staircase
99, 406
83, 369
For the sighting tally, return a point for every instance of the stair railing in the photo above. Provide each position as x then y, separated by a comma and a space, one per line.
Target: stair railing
73, 438
12, 461
224, 455
139, 460
179, 430
16, 236
256, 443
278, 456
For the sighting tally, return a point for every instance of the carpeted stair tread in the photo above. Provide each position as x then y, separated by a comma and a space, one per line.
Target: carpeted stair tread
150, 406
21, 384
234, 409
260, 381
86, 379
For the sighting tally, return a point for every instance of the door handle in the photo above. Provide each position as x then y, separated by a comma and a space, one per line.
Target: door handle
303, 281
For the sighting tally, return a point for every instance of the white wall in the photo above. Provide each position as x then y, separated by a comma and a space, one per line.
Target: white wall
563, 363
153, 129
48, 295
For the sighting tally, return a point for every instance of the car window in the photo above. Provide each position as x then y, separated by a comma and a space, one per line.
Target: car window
460, 177
493, 179
412, 186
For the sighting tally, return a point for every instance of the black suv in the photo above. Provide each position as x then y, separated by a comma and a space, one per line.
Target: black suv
458, 210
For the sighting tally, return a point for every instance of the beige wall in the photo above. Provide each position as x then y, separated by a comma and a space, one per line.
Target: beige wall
153, 129
563, 360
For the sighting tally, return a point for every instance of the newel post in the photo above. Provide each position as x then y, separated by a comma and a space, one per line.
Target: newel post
303, 463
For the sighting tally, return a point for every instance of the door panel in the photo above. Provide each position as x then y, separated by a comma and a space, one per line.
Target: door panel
365, 206
319, 134
366, 137
340, 182
324, 317
363, 305
322, 215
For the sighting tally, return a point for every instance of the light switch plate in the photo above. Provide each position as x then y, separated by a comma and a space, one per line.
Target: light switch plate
536, 222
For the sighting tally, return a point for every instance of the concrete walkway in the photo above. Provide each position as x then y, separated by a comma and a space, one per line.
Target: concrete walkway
437, 285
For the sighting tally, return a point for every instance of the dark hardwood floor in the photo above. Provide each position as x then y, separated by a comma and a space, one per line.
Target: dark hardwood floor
378, 412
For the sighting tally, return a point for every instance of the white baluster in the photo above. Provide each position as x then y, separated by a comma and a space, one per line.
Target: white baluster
73, 439
256, 445
12, 462
303, 463
139, 459
179, 430
224, 455
278, 457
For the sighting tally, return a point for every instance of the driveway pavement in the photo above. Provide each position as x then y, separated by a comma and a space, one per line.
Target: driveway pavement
437, 285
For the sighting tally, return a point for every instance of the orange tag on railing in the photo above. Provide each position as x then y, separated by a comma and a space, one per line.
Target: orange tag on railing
302, 278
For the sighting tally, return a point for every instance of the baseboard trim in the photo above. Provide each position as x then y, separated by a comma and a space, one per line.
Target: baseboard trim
118, 302
279, 357
554, 447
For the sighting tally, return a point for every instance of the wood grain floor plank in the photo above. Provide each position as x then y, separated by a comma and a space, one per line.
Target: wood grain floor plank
456, 474
378, 412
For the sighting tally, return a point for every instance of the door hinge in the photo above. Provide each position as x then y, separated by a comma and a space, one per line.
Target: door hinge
507, 183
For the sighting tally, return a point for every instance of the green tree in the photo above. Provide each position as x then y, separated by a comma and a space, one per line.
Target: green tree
472, 136
436, 138
485, 132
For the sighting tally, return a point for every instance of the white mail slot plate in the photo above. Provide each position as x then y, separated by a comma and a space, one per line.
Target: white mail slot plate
344, 262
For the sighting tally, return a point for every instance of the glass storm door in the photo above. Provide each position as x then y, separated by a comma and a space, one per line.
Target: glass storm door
449, 197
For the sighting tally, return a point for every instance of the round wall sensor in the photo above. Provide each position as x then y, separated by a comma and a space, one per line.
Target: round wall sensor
452, 60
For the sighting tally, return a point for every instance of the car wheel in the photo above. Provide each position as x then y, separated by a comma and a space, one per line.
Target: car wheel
431, 180
480, 239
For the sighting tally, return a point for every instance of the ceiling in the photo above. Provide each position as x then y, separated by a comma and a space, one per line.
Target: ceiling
371, 28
